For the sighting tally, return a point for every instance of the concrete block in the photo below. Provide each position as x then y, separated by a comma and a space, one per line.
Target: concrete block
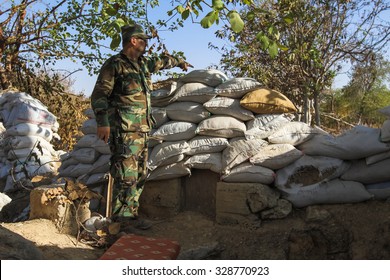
238, 203
162, 199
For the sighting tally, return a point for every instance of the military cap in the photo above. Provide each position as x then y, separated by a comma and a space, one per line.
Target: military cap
134, 30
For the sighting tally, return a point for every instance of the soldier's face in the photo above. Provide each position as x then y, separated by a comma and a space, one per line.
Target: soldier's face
141, 44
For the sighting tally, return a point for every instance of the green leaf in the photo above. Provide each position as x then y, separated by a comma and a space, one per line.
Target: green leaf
110, 10
116, 40
185, 14
288, 19
251, 15
273, 49
209, 19
218, 4
236, 22
264, 40
180, 9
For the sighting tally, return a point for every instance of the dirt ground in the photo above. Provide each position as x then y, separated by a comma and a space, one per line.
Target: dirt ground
350, 231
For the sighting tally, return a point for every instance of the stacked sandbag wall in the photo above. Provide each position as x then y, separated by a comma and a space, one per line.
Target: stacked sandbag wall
25, 145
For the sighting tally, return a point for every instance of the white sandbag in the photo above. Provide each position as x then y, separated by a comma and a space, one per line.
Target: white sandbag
187, 111
211, 161
240, 151
24, 129
80, 169
359, 142
293, 133
159, 115
30, 111
162, 97
66, 163
27, 153
96, 178
385, 131
33, 169
276, 156
249, 173
165, 150
66, 172
174, 159
380, 191
210, 77
89, 127
229, 107
175, 131
377, 157
171, 171
309, 170
368, 174
89, 113
4, 200
327, 192
206, 144
193, 92
221, 126
87, 141
29, 141
265, 125
237, 87
85, 155
101, 165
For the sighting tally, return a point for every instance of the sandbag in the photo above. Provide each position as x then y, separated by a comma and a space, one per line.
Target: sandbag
187, 111
385, 131
368, 174
293, 133
267, 101
175, 131
85, 155
211, 161
240, 151
380, 191
276, 156
357, 143
221, 126
171, 171
237, 87
249, 173
210, 77
229, 107
309, 170
193, 92
24, 129
327, 192
160, 116
206, 144
165, 150
265, 124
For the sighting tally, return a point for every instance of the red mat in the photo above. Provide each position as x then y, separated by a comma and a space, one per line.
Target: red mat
135, 247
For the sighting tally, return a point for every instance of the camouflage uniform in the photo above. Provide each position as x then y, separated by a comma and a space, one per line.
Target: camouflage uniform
121, 100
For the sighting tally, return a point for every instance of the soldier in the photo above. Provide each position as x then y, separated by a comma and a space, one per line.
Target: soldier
121, 103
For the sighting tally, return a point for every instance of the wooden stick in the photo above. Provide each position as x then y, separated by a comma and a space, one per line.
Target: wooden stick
109, 196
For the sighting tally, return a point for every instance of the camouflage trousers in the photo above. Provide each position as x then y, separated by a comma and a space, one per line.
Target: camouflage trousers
129, 170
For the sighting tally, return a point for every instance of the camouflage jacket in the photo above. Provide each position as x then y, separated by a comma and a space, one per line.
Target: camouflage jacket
121, 97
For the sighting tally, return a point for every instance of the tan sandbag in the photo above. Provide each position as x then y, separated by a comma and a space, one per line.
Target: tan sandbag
267, 101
